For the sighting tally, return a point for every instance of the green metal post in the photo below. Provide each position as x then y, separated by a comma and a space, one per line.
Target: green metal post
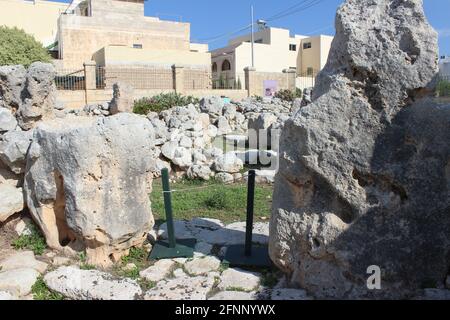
168, 207
250, 206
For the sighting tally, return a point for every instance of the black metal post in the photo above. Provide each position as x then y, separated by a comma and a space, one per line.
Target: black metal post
250, 206
168, 207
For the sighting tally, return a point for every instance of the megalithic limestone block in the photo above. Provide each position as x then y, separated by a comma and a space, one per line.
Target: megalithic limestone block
87, 184
364, 170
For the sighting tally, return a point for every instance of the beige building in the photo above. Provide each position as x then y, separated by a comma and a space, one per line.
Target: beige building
275, 50
38, 18
110, 32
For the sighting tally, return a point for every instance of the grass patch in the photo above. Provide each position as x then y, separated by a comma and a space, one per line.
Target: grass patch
34, 242
226, 202
146, 284
138, 256
40, 291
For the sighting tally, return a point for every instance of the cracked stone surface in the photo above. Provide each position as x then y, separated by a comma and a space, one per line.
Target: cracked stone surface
78, 284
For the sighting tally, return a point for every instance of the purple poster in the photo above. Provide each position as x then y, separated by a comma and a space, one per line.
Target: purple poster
270, 88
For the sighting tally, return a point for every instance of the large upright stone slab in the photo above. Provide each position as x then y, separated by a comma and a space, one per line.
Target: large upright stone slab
87, 183
364, 169
29, 94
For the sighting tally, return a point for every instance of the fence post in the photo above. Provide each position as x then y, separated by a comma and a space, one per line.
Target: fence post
178, 78
250, 206
90, 79
291, 76
250, 81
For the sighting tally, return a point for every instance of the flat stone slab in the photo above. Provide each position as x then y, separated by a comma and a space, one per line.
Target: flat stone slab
234, 295
182, 288
6, 295
234, 278
24, 260
202, 249
202, 265
160, 270
11, 201
289, 294
18, 281
78, 284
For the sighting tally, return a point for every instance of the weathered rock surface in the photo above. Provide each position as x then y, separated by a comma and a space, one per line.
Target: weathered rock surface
87, 184
11, 201
182, 288
12, 82
13, 149
38, 96
234, 278
7, 120
18, 281
160, 270
123, 98
22, 260
6, 295
234, 295
364, 169
203, 265
78, 284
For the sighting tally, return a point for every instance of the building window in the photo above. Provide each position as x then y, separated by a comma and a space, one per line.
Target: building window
259, 41
293, 47
307, 45
226, 65
137, 46
309, 71
214, 67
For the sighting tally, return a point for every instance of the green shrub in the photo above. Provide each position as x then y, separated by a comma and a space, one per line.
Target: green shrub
40, 291
34, 241
18, 47
443, 88
218, 200
162, 102
288, 95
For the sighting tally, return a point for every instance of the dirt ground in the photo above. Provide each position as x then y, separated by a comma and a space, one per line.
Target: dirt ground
7, 235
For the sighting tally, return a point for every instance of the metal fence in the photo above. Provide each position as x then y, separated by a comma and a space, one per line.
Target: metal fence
138, 77
70, 79
306, 79
196, 79
100, 79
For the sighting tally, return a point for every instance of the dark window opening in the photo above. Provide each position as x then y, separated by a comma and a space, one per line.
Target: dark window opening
307, 45
137, 46
226, 65
293, 47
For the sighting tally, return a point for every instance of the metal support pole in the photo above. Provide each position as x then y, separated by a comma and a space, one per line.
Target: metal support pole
168, 207
250, 206
253, 41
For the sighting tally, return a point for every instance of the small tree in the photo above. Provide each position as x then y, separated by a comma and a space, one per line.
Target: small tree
18, 47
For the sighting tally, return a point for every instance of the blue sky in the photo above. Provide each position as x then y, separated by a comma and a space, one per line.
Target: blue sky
210, 19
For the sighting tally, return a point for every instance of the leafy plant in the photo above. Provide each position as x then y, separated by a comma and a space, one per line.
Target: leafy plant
18, 47
162, 102
258, 98
218, 200
40, 291
288, 95
33, 241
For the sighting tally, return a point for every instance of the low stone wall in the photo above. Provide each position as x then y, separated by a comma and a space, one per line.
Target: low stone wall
73, 99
